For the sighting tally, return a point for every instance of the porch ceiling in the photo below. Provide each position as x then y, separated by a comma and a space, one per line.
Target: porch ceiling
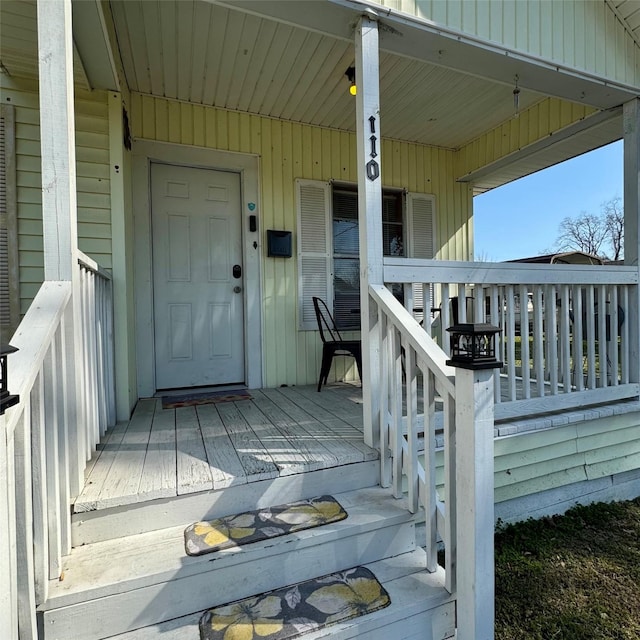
234, 55
19, 42
214, 55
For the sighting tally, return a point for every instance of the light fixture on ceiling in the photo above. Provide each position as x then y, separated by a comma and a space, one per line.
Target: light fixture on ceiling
351, 76
516, 97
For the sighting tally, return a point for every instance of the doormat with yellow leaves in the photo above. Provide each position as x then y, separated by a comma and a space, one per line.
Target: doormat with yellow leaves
253, 526
291, 611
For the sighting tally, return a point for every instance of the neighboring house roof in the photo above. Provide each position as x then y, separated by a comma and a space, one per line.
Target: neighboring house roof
568, 257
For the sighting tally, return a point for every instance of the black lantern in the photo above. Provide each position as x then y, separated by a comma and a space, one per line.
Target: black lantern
6, 400
473, 346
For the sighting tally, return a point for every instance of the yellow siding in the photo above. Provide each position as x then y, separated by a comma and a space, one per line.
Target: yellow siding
544, 118
288, 151
92, 158
581, 34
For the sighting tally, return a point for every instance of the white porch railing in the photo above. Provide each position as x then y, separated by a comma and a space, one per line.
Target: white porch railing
413, 371
551, 327
96, 296
48, 437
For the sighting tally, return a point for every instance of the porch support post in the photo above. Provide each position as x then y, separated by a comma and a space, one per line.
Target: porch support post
59, 218
474, 504
122, 255
631, 119
57, 139
369, 142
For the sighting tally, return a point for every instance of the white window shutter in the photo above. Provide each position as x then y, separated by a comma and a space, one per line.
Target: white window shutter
421, 217
314, 248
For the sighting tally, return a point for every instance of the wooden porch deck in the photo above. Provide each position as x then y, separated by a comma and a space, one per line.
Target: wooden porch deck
164, 453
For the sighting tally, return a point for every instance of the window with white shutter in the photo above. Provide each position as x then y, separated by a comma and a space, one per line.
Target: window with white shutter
9, 292
314, 248
422, 233
328, 245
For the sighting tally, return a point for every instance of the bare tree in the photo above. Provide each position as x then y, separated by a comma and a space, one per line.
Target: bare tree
586, 232
614, 221
600, 235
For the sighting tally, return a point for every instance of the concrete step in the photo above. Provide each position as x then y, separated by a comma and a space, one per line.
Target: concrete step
118, 522
421, 609
115, 586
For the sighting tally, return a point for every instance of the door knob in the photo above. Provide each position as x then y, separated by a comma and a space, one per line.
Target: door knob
237, 289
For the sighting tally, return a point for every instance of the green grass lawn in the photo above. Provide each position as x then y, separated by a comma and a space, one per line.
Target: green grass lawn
571, 577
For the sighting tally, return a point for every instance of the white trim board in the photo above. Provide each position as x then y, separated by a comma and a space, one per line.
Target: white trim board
145, 152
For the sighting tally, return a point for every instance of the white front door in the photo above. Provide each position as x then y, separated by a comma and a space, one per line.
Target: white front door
197, 277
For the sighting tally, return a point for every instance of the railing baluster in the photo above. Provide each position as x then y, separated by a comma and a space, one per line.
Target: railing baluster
73, 422
39, 491
478, 304
64, 497
524, 341
396, 412
450, 528
430, 503
427, 304
52, 411
412, 431
511, 342
591, 338
624, 340
578, 333
613, 342
385, 451
551, 312
85, 384
462, 304
538, 339
565, 345
602, 334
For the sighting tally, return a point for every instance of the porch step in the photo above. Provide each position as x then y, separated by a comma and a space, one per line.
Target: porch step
118, 522
115, 586
420, 608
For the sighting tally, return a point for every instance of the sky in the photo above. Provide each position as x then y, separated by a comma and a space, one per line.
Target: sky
521, 219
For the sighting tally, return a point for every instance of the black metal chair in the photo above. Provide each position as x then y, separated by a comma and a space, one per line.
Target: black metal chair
332, 342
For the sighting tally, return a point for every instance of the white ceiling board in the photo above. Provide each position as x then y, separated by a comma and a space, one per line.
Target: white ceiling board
420, 39
240, 61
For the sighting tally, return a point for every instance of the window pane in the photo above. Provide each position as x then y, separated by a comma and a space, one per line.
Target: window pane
392, 240
345, 237
345, 204
346, 292
346, 249
392, 207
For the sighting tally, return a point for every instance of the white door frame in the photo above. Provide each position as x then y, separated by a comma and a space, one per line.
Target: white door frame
146, 152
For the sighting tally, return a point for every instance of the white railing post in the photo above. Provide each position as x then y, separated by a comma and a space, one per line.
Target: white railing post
474, 504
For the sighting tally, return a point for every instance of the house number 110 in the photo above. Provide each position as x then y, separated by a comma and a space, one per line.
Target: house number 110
373, 170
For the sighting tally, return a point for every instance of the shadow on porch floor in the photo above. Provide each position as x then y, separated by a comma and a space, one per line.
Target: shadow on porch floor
164, 453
